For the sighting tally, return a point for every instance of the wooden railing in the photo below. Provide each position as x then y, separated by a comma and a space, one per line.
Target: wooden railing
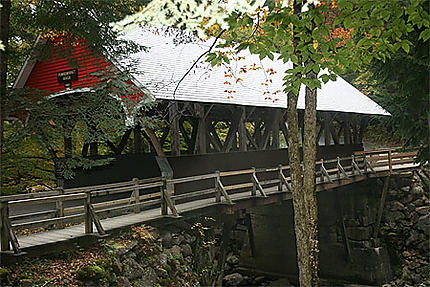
93, 203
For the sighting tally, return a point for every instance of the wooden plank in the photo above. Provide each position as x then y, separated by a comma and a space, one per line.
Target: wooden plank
49, 221
47, 199
224, 192
32, 214
192, 194
258, 185
238, 186
191, 178
236, 172
129, 207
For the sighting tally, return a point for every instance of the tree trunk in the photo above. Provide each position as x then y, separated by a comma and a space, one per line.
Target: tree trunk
309, 191
4, 37
299, 203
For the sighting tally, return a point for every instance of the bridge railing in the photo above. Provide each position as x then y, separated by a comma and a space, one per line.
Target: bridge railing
93, 203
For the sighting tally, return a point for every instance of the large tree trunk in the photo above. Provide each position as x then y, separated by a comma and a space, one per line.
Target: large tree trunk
309, 191
299, 203
4, 37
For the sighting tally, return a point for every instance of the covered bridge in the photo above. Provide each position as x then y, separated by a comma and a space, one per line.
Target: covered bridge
235, 107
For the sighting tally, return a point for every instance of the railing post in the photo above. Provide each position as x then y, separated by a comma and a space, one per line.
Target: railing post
4, 232
88, 218
390, 161
163, 190
364, 163
217, 187
280, 177
136, 194
321, 171
254, 184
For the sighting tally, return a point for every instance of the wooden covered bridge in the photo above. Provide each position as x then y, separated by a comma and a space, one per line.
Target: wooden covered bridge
220, 144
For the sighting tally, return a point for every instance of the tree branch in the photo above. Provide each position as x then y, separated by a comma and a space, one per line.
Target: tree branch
195, 62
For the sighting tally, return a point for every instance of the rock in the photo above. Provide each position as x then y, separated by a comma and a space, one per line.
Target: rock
423, 210
405, 189
394, 216
232, 259
132, 270
418, 202
424, 224
407, 198
186, 250
413, 237
283, 282
175, 251
166, 239
178, 240
258, 280
162, 258
417, 190
123, 281
4, 274
234, 279
161, 272
189, 238
396, 206
149, 278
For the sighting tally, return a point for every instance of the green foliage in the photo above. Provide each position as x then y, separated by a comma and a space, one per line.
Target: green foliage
400, 85
35, 152
91, 273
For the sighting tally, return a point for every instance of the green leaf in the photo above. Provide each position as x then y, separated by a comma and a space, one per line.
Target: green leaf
405, 47
425, 35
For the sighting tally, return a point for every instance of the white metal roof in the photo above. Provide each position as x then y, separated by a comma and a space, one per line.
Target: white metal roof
165, 63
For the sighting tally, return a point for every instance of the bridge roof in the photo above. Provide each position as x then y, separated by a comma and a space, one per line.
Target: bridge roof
247, 80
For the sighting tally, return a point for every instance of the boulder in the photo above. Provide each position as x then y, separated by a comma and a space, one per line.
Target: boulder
423, 210
232, 259
132, 270
122, 281
186, 250
166, 239
149, 278
189, 238
234, 279
396, 206
175, 251
423, 224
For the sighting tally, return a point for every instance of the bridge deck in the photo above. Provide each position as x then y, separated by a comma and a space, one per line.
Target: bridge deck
221, 197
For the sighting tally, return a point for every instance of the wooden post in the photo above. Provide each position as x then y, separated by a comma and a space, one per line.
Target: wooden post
254, 184
174, 129
390, 161
217, 187
280, 177
136, 194
346, 130
242, 131
381, 206
4, 232
327, 134
201, 146
88, 219
321, 171
163, 190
